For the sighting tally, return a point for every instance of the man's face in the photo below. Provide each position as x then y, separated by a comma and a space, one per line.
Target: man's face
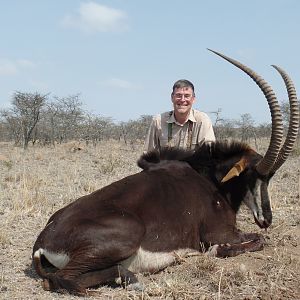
183, 99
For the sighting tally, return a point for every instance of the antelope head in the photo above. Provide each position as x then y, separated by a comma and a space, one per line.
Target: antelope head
257, 176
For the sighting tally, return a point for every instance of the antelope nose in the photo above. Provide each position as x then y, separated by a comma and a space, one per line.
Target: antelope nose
266, 223
262, 223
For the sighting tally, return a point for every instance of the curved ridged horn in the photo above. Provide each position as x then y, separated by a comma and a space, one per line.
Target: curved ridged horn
265, 165
293, 123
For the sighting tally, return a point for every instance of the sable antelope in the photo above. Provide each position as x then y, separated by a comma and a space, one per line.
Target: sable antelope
180, 201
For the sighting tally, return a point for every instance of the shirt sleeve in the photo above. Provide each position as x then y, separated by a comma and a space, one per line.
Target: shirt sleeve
152, 141
210, 134
206, 133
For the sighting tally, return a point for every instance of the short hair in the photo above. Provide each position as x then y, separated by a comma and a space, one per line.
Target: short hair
182, 83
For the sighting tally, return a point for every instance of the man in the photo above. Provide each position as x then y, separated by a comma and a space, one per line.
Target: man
182, 127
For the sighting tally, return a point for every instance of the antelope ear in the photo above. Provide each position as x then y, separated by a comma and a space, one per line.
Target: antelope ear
236, 170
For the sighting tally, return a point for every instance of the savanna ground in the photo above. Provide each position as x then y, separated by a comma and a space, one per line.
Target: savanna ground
37, 182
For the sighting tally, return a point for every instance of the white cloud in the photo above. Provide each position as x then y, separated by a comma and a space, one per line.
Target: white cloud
93, 17
25, 63
10, 67
120, 84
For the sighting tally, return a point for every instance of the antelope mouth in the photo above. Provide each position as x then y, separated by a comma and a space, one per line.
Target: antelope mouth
262, 223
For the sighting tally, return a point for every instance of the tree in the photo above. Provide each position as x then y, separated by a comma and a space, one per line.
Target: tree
61, 120
69, 117
264, 130
285, 110
218, 119
225, 129
13, 125
95, 128
246, 127
135, 130
24, 114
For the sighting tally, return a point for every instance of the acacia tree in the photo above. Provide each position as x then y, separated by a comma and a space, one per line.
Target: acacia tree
50, 115
134, 130
69, 117
13, 125
285, 110
24, 114
95, 128
61, 120
225, 129
247, 129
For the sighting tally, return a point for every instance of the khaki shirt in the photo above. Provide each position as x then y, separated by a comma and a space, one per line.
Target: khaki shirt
202, 131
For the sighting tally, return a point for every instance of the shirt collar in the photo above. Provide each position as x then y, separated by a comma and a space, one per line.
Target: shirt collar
172, 119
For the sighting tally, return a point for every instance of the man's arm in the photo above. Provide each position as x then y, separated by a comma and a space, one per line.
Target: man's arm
206, 133
210, 134
152, 141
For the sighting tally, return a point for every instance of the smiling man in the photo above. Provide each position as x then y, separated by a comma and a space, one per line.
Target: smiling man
183, 127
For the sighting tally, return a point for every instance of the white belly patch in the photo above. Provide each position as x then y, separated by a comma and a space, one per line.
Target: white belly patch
146, 261
141, 261
59, 260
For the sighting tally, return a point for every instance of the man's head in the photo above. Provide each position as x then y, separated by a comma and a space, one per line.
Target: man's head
183, 97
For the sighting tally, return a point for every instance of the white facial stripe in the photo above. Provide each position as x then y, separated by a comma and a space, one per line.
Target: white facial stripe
253, 200
59, 260
146, 261
257, 199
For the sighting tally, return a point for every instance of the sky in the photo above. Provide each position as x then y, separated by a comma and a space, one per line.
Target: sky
123, 56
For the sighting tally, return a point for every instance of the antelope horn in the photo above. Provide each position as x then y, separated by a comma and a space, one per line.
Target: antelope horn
291, 136
265, 165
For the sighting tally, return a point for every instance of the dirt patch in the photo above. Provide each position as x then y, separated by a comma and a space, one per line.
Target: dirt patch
35, 183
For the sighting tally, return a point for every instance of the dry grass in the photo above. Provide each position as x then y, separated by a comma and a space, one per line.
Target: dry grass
35, 183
